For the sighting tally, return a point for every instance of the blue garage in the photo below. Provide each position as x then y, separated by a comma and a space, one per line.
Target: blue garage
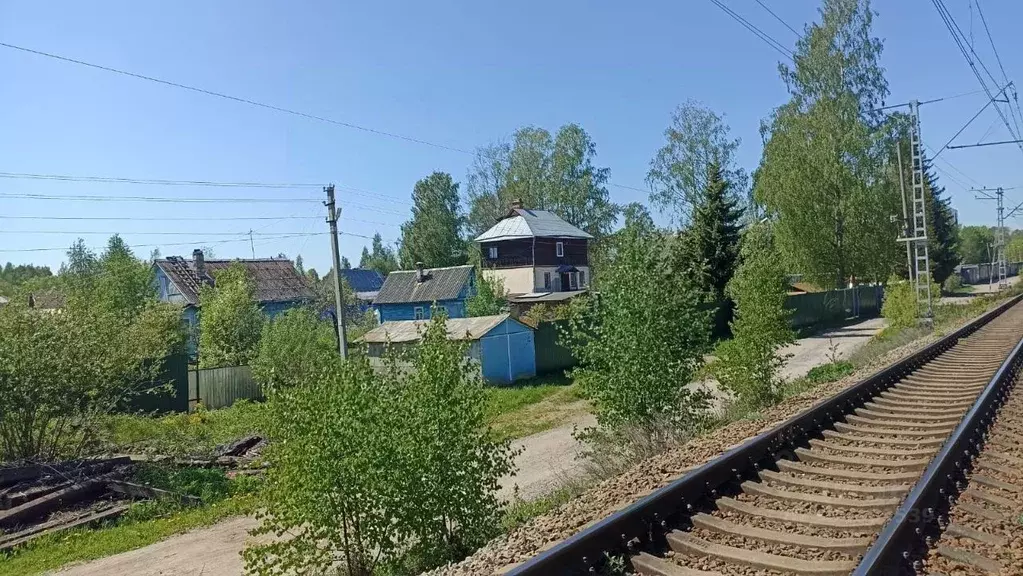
502, 345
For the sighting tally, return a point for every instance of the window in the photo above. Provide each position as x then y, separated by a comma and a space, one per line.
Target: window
572, 280
418, 312
561, 249
493, 252
441, 310
582, 278
547, 280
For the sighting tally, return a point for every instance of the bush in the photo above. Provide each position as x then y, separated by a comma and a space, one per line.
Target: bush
642, 338
900, 304
292, 349
952, 284
748, 364
229, 320
60, 373
372, 470
830, 372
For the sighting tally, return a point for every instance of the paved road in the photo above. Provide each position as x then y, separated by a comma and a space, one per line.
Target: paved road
547, 461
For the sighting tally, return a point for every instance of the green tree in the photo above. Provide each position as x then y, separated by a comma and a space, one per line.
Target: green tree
975, 244
299, 265
748, 364
454, 507
942, 229
546, 173
713, 236
345, 264
292, 349
642, 338
229, 320
434, 234
15, 278
394, 471
381, 258
488, 298
679, 175
825, 172
124, 283
61, 373
1014, 250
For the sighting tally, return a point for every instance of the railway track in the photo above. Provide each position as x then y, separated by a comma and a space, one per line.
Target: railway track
861, 483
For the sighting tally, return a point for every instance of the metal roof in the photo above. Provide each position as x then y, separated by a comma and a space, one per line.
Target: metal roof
545, 296
522, 223
412, 330
362, 279
403, 286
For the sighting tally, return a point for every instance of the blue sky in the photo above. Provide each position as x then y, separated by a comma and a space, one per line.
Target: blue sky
461, 74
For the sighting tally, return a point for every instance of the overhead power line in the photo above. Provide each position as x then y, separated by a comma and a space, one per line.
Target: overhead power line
966, 50
1013, 112
168, 199
164, 219
967, 125
258, 104
150, 181
778, 18
233, 98
242, 238
778, 46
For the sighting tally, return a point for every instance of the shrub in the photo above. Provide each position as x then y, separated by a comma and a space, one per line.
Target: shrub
391, 470
60, 373
292, 349
900, 304
748, 364
642, 338
830, 372
952, 284
229, 320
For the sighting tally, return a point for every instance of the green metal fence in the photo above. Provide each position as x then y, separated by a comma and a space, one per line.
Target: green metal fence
817, 308
550, 355
168, 392
221, 387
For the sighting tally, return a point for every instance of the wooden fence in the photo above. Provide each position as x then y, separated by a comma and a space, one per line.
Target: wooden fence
220, 387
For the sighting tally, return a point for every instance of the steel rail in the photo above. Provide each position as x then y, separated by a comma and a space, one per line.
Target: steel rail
643, 523
916, 522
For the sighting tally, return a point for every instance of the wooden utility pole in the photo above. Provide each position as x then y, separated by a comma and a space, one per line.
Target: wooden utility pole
339, 299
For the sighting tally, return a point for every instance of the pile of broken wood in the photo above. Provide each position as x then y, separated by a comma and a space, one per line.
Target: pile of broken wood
40, 499
237, 458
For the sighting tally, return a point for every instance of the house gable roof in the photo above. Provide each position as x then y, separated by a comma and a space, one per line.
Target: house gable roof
523, 223
412, 330
403, 286
273, 280
362, 279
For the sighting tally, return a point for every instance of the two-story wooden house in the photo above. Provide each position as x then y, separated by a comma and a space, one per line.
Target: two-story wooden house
535, 251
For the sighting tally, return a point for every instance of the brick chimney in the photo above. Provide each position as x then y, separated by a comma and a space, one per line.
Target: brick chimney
199, 264
420, 274
516, 204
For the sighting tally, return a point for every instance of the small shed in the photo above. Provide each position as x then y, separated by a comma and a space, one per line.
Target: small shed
503, 346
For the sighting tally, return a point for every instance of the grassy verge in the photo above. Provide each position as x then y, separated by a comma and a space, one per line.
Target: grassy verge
539, 405
143, 524
195, 433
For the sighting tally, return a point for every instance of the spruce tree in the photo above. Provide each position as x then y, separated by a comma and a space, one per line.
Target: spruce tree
943, 231
433, 235
713, 236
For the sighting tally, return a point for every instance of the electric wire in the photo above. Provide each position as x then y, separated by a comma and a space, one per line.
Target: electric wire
781, 49
778, 18
234, 98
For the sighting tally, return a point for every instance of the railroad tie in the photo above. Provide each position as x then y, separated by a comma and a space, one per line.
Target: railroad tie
685, 543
